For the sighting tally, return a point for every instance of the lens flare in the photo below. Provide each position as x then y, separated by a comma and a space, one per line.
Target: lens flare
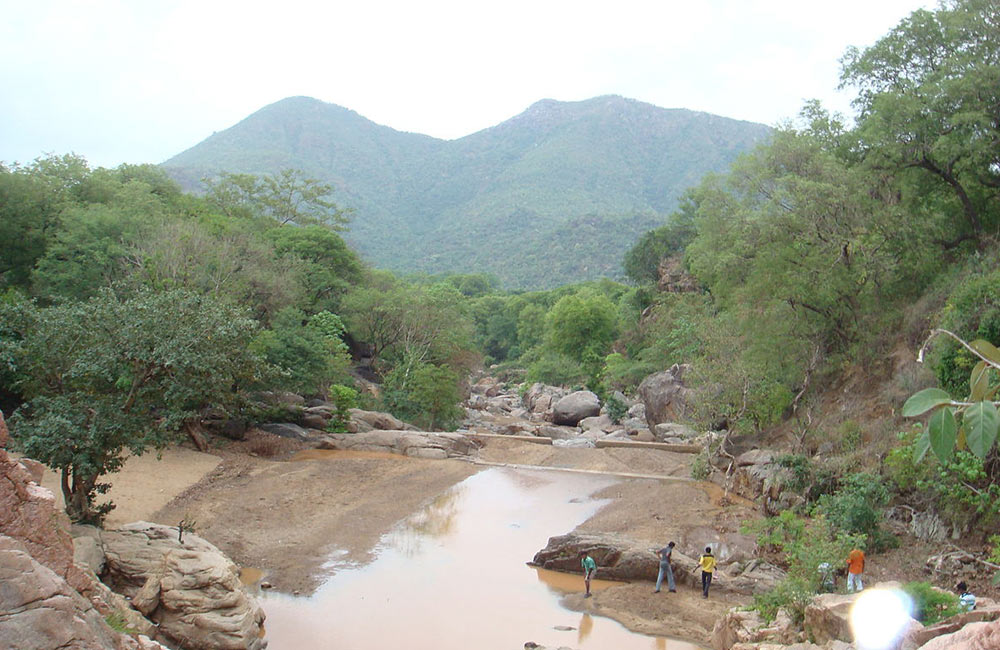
879, 617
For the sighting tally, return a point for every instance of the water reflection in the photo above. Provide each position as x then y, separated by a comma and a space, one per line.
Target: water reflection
453, 576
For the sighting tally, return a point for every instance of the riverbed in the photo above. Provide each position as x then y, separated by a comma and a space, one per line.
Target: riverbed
454, 576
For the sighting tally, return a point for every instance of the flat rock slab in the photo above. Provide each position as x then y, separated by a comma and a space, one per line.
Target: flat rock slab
418, 444
662, 446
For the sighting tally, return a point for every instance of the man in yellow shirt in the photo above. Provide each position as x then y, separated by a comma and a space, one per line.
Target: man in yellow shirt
707, 564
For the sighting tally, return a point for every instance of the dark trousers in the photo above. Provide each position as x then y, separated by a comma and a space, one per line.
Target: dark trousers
706, 582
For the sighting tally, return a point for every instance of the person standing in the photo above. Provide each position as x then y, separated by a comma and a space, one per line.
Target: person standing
707, 564
855, 567
666, 569
589, 568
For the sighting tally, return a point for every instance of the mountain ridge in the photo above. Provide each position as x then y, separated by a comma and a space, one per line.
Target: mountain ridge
481, 201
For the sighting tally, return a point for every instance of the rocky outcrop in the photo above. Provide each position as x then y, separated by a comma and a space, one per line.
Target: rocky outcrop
665, 396
380, 421
758, 476
540, 398
189, 588
974, 636
573, 408
673, 278
418, 444
739, 626
39, 610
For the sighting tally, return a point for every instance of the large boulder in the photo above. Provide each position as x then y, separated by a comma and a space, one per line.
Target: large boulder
380, 421
574, 407
974, 636
617, 558
759, 476
665, 396
189, 588
40, 611
419, 444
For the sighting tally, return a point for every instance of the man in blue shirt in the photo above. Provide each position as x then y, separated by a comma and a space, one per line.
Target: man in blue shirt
589, 567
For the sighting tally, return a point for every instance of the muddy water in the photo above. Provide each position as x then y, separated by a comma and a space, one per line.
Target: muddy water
453, 576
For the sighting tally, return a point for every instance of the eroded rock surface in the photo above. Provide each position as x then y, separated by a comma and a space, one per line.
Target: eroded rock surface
189, 588
573, 408
665, 396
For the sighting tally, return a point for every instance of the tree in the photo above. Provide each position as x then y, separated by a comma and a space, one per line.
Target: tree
929, 101
642, 261
286, 197
580, 324
113, 375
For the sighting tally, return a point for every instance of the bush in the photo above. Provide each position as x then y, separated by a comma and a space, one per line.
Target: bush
855, 508
424, 394
931, 605
972, 312
556, 370
344, 398
808, 479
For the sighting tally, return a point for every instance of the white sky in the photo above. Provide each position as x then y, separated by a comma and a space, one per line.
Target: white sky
141, 80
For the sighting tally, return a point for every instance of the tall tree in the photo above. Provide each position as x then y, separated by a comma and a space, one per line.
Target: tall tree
111, 375
286, 197
929, 101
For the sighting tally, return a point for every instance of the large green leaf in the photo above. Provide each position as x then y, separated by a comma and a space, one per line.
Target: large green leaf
981, 422
979, 381
920, 450
986, 349
924, 401
942, 430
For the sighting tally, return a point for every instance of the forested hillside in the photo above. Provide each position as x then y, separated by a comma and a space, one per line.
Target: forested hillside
488, 202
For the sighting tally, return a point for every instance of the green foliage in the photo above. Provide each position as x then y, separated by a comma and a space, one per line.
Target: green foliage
701, 468
931, 605
809, 479
424, 394
115, 374
972, 313
973, 424
117, 622
855, 508
555, 369
344, 398
581, 325
287, 196
642, 261
803, 544
617, 409
311, 357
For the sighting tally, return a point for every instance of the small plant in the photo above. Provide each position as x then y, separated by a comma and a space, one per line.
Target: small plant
117, 622
344, 398
186, 525
617, 409
701, 469
931, 605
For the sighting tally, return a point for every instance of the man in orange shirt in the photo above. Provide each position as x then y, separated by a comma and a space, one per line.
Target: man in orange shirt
855, 567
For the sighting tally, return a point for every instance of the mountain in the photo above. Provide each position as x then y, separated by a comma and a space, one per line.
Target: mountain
556, 194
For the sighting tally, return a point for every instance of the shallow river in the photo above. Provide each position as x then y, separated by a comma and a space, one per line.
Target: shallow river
453, 576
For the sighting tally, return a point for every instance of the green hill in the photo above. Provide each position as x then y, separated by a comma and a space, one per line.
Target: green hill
553, 195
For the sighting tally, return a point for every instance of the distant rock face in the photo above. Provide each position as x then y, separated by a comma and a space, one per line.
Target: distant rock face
190, 589
573, 408
673, 278
540, 398
665, 396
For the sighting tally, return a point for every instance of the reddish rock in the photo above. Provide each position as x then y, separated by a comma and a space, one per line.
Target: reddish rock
974, 636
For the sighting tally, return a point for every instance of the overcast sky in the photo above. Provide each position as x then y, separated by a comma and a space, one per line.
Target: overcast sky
141, 80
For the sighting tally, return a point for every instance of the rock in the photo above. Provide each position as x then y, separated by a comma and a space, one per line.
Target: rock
974, 636
986, 611
632, 425
668, 430
279, 397
593, 434
757, 475
379, 420
673, 277
638, 411
665, 396
540, 397
739, 626
755, 457
827, 617
756, 577
287, 430
487, 386
40, 611
602, 422
558, 433
574, 407
617, 558
190, 589
314, 421
88, 552
418, 444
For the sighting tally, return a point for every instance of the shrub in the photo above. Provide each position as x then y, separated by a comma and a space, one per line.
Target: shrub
855, 508
556, 370
424, 394
344, 398
617, 409
808, 479
931, 605
972, 312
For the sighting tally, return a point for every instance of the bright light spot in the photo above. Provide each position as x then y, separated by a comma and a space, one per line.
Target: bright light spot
879, 617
